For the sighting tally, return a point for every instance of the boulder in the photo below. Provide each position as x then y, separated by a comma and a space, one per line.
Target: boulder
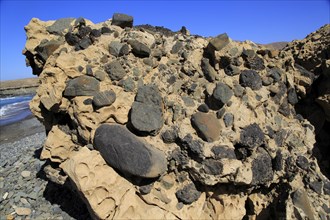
104, 98
115, 70
222, 93
122, 150
46, 49
220, 41
252, 136
250, 78
60, 26
82, 86
188, 194
206, 125
118, 49
208, 70
146, 112
139, 49
262, 168
122, 20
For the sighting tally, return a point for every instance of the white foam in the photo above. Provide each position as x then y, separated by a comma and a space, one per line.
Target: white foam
13, 109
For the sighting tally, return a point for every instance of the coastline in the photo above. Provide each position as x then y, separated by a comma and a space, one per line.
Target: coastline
18, 130
18, 87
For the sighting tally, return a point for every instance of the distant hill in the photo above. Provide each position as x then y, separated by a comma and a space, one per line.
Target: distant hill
275, 45
18, 87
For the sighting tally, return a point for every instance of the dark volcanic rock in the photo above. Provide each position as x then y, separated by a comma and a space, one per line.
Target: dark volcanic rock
139, 49
188, 194
250, 78
46, 49
292, 96
85, 43
316, 186
203, 108
192, 146
149, 94
220, 41
71, 38
232, 70
146, 119
82, 86
156, 29
115, 70
212, 167
60, 25
125, 152
95, 33
222, 93
79, 22
278, 162
252, 136
208, 70
146, 189
228, 119
248, 53
106, 30
223, 152
255, 63
206, 125
146, 113
170, 136
276, 74
262, 168
241, 153
84, 31
122, 20
105, 98
177, 47
118, 49
302, 162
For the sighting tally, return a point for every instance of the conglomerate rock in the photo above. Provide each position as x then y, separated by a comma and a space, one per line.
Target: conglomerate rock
149, 123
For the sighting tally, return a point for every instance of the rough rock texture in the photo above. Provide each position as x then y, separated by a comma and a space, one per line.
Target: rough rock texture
313, 54
149, 123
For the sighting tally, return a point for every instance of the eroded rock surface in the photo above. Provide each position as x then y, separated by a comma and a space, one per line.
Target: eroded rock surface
150, 123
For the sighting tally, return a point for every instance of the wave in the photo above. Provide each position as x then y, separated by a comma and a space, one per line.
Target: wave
8, 98
14, 109
14, 99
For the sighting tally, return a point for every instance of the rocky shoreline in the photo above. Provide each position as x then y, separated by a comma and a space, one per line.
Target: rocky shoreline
25, 189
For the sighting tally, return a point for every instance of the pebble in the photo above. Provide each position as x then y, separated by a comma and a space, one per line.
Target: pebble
207, 126
22, 211
25, 173
27, 197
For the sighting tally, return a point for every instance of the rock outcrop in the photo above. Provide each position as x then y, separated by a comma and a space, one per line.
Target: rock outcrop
149, 123
313, 54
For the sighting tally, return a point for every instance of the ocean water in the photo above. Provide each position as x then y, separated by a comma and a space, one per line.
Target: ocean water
14, 109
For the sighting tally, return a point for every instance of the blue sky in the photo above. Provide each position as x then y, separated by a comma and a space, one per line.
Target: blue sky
260, 21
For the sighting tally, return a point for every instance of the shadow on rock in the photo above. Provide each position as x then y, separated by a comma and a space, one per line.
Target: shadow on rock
62, 195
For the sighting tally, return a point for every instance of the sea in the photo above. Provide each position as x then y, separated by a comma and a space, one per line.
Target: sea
14, 109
